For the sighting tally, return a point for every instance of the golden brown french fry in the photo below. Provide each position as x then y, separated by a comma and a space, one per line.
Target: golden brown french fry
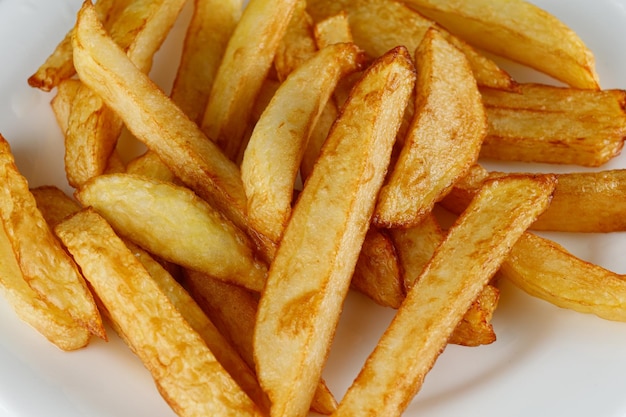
233, 310
546, 270
156, 121
475, 328
556, 125
462, 265
47, 268
209, 30
378, 26
520, 31
53, 323
308, 280
333, 29
187, 373
151, 166
245, 64
148, 213
297, 44
444, 138
378, 272
61, 103
59, 67
282, 133
226, 355
54, 204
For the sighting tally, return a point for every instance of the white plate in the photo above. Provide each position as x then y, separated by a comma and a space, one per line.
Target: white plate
546, 362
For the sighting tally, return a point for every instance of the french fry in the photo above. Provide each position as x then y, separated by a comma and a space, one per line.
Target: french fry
148, 212
156, 121
54, 323
378, 26
334, 29
546, 270
189, 377
54, 204
233, 310
301, 301
520, 31
282, 133
151, 166
209, 30
462, 265
61, 103
555, 125
475, 328
245, 64
297, 44
45, 266
444, 138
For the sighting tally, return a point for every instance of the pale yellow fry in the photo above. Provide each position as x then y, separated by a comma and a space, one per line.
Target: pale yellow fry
54, 324
174, 223
546, 270
334, 29
310, 275
155, 120
282, 133
245, 64
61, 103
47, 268
189, 377
444, 138
379, 25
462, 265
520, 31
209, 30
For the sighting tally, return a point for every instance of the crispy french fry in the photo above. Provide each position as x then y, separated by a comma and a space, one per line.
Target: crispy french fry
54, 204
151, 166
297, 44
555, 125
155, 120
189, 377
378, 26
462, 265
282, 133
53, 323
546, 270
333, 29
233, 310
148, 212
444, 138
310, 275
520, 31
245, 64
47, 268
62, 101
475, 328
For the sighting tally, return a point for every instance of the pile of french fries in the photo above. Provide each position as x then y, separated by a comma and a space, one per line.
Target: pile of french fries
307, 149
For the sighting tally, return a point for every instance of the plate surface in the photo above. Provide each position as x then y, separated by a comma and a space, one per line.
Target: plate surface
546, 362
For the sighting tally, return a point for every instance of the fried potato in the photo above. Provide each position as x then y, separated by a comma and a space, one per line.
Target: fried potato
61, 103
151, 166
173, 223
378, 26
334, 29
233, 310
245, 64
297, 44
475, 328
46, 267
156, 121
554, 125
54, 204
282, 133
55, 324
520, 31
444, 138
308, 280
546, 270
209, 30
189, 377
462, 265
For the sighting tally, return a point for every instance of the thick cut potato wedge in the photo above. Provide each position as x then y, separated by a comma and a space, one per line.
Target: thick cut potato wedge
189, 377
378, 26
233, 309
175, 224
557, 125
333, 29
520, 31
47, 268
444, 138
245, 64
54, 204
156, 121
461, 266
282, 133
309, 278
297, 44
